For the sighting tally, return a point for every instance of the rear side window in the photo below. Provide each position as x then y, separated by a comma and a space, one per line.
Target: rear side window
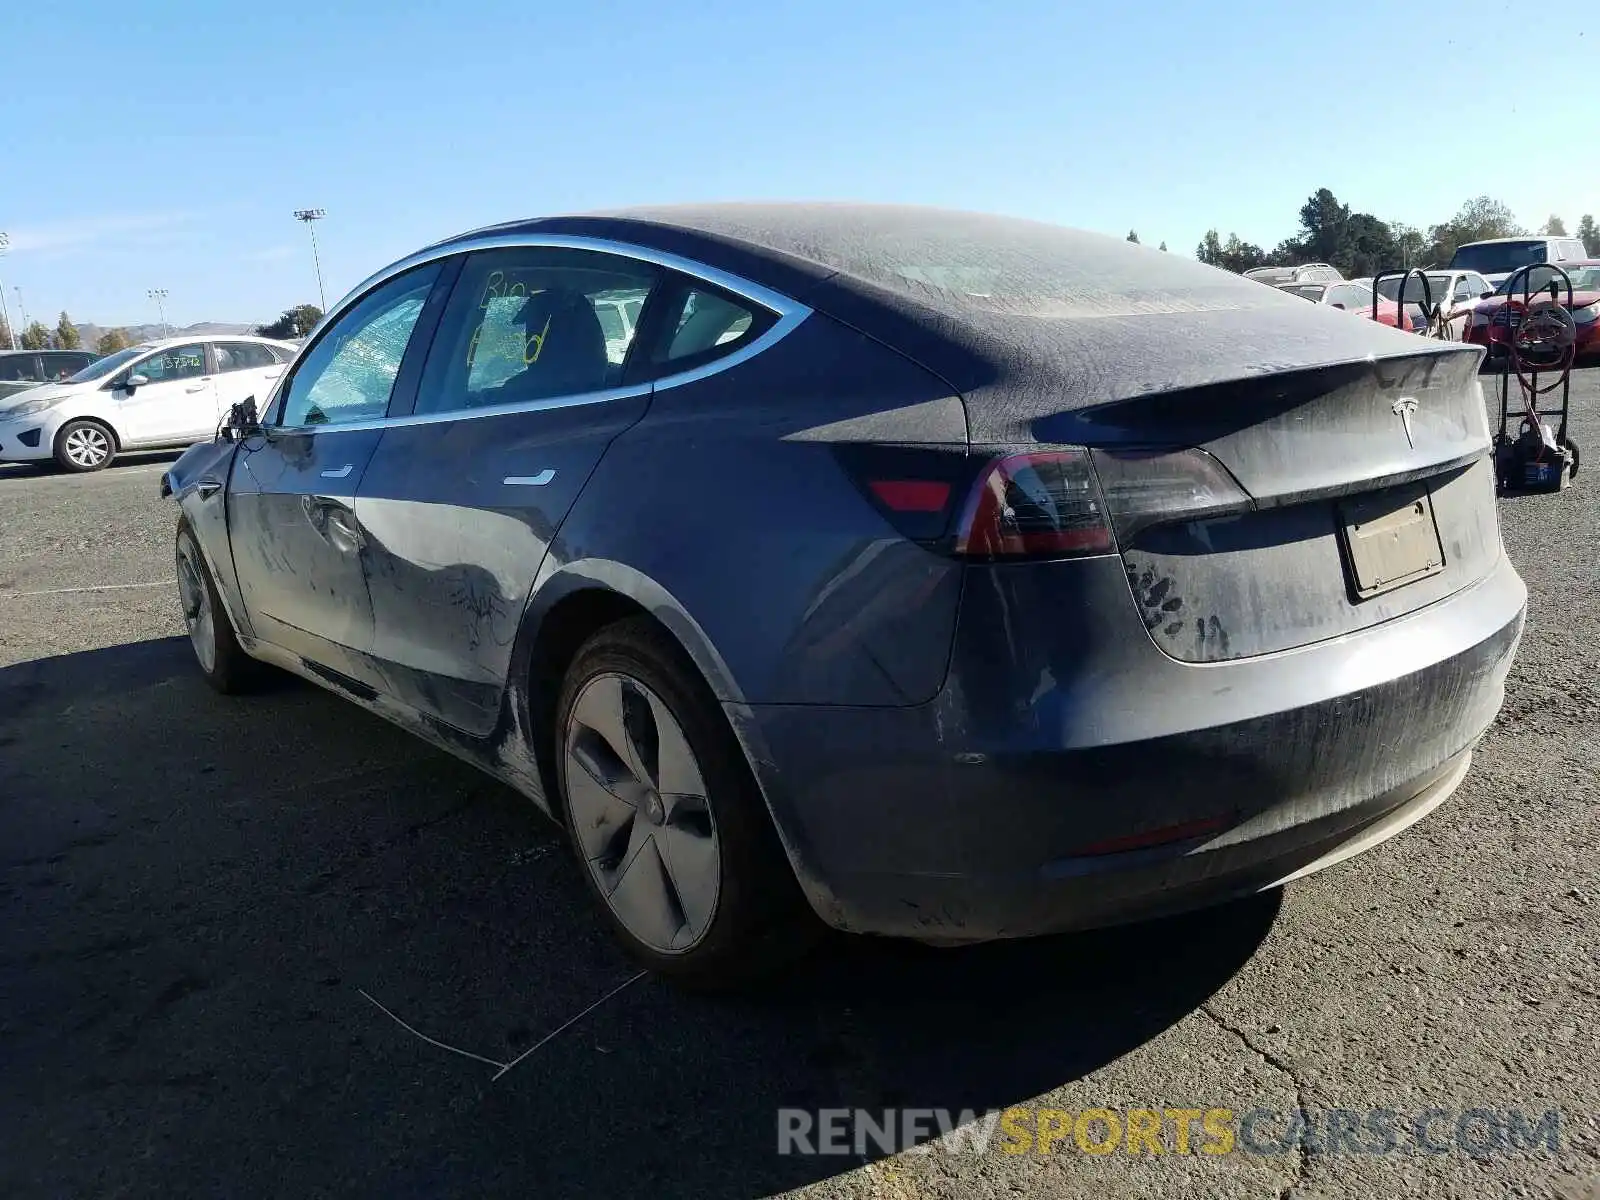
242, 356
529, 323
700, 325
63, 365
708, 320
19, 368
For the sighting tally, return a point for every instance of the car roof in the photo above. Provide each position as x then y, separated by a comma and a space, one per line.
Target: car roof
1527, 237
986, 303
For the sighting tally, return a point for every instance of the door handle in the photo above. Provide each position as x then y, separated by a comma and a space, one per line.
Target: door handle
340, 473
343, 533
199, 387
336, 524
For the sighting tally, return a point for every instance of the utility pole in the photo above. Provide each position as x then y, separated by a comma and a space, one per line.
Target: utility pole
22, 312
5, 246
159, 295
311, 216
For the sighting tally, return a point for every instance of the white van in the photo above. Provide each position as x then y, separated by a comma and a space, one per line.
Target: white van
1497, 258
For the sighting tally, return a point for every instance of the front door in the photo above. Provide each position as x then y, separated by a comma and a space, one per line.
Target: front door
176, 403
296, 540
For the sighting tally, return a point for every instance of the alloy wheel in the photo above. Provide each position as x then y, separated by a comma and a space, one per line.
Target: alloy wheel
637, 799
87, 446
197, 611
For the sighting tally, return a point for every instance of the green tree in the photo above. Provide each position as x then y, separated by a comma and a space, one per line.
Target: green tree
1133, 237
111, 341
67, 333
1479, 219
35, 337
1590, 235
1409, 244
1163, 246
5, 334
1232, 255
1554, 226
295, 322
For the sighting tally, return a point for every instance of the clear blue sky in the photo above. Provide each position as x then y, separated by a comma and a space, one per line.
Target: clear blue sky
166, 144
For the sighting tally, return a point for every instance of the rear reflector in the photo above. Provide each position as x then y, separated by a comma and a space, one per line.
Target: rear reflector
1166, 835
1038, 504
911, 495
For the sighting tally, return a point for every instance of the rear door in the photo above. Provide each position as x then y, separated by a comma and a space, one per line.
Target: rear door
176, 403
297, 544
522, 393
244, 369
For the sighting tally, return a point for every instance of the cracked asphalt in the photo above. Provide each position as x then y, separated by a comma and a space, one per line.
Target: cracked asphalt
199, 890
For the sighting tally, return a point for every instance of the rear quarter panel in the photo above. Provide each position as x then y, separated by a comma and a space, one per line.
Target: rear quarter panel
725, 512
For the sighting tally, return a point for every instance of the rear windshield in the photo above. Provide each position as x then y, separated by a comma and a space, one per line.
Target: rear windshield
1495, 258
1307, 291
1389, 288
966, 261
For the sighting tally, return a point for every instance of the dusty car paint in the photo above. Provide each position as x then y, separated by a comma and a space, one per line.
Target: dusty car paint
947, 748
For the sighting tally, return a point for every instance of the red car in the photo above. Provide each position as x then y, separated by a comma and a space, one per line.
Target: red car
1494, 319
1356, 298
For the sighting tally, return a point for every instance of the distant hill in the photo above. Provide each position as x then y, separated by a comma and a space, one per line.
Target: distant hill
90, 334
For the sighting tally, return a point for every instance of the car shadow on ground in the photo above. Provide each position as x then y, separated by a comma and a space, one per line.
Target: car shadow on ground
208, 898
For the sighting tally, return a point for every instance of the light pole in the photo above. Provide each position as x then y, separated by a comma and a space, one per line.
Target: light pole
311, 216
159, 295
5, 245
22, 313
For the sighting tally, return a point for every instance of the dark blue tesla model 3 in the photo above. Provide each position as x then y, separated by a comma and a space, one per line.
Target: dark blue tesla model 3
936, 575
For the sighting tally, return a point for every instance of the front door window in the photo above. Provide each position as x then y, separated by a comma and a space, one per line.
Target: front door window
349, 374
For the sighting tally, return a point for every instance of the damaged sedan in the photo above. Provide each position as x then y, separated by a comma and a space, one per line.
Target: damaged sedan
917, 573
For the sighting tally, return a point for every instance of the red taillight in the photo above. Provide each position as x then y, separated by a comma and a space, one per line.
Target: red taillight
911, 495
1043, 503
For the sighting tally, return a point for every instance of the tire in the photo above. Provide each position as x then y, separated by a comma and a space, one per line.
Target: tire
222, 660
695, 887
84, 445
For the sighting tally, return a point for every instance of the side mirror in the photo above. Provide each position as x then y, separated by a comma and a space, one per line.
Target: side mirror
1486, 295
135, 381
242, 421
1336, 304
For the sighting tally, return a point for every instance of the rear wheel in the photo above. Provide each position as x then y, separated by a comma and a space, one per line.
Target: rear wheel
665, 816
222, 660
84, 446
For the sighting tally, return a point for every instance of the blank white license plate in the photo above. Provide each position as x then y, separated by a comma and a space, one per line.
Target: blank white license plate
1391, 539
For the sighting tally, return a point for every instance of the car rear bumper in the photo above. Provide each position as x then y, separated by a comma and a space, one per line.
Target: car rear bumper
1071, 775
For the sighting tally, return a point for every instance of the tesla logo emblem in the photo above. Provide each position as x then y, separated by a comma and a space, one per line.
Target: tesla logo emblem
1405, 408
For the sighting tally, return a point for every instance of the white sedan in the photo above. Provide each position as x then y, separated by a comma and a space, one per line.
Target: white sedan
156, 395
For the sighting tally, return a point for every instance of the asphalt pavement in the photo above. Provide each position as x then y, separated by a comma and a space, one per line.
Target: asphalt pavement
220, 911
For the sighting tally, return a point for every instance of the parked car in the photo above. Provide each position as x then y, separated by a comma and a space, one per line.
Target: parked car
24, 369
1495, 319
1304, 273
1356, 298
1456, 291
885, 579
153, 395
1497, 258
